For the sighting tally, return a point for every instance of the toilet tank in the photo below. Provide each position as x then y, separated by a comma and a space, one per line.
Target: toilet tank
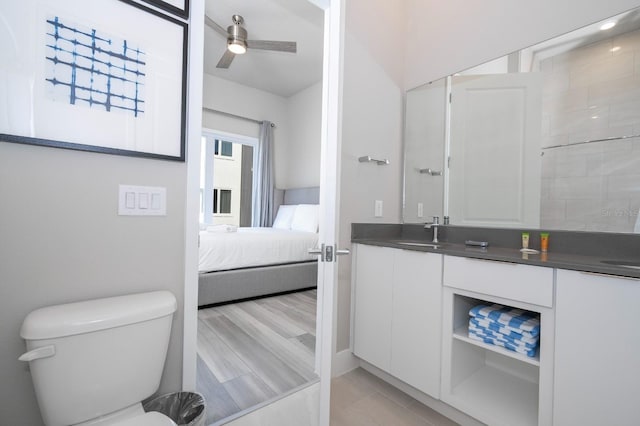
91, 358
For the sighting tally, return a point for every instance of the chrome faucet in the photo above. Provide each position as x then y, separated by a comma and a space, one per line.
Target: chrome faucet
434, 225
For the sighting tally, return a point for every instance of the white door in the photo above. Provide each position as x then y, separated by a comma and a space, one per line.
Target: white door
494, 166
309, 406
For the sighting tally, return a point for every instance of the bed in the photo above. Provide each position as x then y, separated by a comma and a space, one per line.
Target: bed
244, 263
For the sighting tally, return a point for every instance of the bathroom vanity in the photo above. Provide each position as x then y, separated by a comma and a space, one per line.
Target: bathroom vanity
410, 311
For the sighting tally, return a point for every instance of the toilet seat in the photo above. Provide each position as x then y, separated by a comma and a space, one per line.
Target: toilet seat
151, 418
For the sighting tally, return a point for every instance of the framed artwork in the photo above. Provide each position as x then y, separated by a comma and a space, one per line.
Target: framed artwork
107, 78
177, 7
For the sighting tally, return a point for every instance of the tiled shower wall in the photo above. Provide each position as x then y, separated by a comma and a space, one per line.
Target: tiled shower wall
592, 93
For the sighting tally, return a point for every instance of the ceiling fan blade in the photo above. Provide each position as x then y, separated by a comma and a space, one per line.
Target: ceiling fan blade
226, 59
281, 46
216, 27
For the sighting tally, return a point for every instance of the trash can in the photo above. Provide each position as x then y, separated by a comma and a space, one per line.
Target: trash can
184, 408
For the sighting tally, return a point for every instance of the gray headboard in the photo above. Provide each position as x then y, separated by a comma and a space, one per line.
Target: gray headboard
296, 196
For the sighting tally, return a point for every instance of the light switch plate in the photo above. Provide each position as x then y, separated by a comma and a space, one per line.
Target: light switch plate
136, 200
378, 208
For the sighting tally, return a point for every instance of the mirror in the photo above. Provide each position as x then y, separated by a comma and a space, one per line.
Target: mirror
546, 137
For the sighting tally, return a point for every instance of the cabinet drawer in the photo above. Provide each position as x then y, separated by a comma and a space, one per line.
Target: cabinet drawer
525, 283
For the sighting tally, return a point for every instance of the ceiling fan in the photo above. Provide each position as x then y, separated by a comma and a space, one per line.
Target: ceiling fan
237, 42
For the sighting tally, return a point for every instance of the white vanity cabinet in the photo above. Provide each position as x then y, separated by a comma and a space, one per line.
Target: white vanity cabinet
490, 383
597, 350
397, 313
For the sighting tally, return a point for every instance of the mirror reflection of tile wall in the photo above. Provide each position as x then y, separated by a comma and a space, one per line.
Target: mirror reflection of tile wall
592, 93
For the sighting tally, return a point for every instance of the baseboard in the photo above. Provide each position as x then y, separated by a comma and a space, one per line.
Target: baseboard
343, 362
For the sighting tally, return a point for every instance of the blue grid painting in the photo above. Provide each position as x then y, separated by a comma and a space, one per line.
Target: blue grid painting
88, 67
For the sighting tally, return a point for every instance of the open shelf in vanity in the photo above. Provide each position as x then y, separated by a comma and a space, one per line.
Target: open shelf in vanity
497, 385
493, 384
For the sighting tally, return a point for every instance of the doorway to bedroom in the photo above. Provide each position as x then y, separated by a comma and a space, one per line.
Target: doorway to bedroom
256, 335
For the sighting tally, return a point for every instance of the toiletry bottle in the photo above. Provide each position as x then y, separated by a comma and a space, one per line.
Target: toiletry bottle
525, 240
544, 241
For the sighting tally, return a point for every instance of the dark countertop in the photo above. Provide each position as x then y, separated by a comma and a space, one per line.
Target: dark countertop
573, 259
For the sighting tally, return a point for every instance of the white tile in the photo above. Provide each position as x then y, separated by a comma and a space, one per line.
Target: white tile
616, 90
614, 67
577, 188
615, 162
623, 186
625, 113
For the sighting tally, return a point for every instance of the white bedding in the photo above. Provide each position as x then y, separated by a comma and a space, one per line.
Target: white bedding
253, 247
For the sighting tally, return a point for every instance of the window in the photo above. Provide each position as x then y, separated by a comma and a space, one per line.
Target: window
223, 148
222, 201
227, 181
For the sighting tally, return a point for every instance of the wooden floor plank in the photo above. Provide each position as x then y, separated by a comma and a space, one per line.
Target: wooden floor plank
256, 350
223, 362
290, 351
248, 390
290, 313
282, 326
309, 340
275, 372
219, 404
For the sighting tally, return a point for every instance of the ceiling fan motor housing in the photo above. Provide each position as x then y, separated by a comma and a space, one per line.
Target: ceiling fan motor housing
237, 31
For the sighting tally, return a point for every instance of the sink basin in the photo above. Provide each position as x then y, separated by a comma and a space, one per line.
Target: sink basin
623, 263
419, 244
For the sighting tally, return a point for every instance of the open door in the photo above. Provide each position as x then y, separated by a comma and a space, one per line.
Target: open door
309, 405
494, 165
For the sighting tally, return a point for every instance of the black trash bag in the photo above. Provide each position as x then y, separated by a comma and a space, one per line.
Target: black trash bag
184, 408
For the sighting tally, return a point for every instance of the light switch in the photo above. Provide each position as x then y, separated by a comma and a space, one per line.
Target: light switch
378, 208
130, 200
420, 210
136, 200
143, 200
155, 201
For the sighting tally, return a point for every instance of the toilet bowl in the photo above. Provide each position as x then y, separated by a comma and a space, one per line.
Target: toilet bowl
94, 362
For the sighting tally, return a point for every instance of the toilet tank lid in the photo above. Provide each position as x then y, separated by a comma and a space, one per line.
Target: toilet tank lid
98, 314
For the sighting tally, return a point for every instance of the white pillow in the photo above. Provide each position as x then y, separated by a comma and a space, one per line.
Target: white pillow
306, 218
284, 217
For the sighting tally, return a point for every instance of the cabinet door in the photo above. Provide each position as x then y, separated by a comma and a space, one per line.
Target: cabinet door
597, 349
372, 308
416, 320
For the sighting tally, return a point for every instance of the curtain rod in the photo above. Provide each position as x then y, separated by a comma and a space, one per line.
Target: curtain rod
228, 114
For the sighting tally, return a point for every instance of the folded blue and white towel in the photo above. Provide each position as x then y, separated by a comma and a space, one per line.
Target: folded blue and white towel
528, 352
507, 332
518, 320
484, 332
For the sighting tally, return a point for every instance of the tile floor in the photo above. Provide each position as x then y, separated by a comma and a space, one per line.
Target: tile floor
359, 398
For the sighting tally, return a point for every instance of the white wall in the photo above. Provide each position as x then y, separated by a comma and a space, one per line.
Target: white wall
303, 148
297, 119
62, 240
372, 125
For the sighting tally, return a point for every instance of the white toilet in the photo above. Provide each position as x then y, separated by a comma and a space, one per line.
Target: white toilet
93, 362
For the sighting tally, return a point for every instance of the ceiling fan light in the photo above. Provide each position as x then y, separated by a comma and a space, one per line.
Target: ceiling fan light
238, 47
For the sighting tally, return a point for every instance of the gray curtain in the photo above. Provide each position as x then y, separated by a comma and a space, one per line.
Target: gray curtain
263, 194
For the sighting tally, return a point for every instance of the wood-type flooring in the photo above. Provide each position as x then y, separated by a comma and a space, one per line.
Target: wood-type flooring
254, 351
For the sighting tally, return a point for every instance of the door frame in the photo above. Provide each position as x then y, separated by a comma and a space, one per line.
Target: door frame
329, 193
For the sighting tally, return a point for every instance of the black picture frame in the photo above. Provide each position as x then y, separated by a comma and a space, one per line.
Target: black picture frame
182, 12
159, 133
